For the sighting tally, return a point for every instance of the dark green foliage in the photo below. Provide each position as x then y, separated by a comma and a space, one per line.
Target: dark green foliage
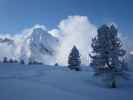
35, 63
108, 55
21, 61
74, 59
5, 60
56, 64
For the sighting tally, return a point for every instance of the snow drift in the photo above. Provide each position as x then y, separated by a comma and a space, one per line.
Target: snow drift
40, 82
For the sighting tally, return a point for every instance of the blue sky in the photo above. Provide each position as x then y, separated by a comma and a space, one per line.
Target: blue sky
16, 15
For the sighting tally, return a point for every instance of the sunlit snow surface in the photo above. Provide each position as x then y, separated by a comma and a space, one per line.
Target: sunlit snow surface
41, 82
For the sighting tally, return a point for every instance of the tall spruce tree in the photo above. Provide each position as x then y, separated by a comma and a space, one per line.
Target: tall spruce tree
74, 59
108, 55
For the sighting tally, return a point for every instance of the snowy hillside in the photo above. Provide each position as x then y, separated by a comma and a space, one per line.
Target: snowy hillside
40, 45
35, 44
41, 82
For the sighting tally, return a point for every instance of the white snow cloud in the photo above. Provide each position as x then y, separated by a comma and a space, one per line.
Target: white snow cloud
75, 30
55, 33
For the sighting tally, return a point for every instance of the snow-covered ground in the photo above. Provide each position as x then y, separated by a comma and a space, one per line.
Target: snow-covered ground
41, 82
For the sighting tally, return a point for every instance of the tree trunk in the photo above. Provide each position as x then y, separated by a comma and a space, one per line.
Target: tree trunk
113, 84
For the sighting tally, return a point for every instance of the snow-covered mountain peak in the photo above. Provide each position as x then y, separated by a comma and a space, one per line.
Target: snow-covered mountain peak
39, 44
34, 44
40, 34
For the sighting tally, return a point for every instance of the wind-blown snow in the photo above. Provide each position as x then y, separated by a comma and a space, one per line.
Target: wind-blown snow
75, 30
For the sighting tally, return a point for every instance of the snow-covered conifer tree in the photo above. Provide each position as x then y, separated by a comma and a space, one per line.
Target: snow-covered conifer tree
5, 60
108, 55
74, 59
22, 61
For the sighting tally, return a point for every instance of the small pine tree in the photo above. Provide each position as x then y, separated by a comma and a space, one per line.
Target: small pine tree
21, 61
5, 60
56, 64
15, 61
74, 59
11, 61
107, 56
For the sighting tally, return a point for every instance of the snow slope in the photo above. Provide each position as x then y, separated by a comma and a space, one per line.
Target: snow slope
41, 82
41, 46
35, 44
